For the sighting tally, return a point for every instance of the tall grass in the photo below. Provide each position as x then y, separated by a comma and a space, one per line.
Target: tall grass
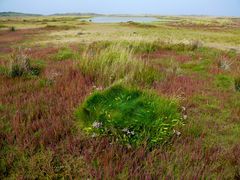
116, 63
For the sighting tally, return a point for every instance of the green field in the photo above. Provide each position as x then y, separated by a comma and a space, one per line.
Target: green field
82, 100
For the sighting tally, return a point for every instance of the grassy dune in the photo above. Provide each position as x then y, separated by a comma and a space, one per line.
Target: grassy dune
80, 100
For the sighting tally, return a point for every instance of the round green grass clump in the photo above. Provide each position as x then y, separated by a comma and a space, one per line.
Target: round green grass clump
130, 116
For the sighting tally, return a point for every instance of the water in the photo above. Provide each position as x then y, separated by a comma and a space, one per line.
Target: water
115, 19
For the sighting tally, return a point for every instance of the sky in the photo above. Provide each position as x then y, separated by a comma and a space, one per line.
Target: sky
158, 7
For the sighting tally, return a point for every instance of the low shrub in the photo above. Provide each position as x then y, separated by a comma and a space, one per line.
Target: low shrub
195, 44
237, 83
12, 29
117, 63
130, 116
20, 65
64, 54
224, 64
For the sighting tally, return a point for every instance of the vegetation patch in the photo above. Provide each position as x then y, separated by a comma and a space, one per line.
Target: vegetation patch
237, 84
130, 116
197, 66
59, 27
143, 47
13, 29
64, 54
3, 70
224, 81
141, 25
116, 63
2, 26
21, 65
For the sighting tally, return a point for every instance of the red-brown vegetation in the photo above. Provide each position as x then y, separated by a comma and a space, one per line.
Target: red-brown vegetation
44, 110
167, 54
181, 85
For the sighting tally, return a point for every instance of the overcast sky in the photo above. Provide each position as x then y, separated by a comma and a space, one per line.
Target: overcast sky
161, 7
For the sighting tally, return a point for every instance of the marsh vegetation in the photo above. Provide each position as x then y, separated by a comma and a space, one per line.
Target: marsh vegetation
132, 100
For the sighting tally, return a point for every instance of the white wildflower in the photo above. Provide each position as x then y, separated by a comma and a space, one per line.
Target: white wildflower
99, 88
183, 108
94, 135
96, 124
184, 117
132, 132
176, 132
128, 132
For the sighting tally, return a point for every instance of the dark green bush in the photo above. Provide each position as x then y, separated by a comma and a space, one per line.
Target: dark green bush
12, 29
129, 116
237, 84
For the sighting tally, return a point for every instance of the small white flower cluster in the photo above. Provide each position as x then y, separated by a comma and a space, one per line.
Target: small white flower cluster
54, 75
128, 132
100, 88
94, 135
184, 111
176, 132
96, 124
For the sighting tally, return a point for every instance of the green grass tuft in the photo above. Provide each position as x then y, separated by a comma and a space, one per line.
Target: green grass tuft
224, 81
64, 54
130, 116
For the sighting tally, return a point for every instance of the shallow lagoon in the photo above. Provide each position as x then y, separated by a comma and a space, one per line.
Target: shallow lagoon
115, 19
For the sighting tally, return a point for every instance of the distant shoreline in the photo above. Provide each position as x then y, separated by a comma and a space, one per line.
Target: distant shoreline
20, 14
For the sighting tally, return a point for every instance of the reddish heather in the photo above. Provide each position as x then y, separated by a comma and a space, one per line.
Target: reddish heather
167, 54
215, 70
42, 53
74, 47
8, 37
46, 111
188, 156
180, 85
